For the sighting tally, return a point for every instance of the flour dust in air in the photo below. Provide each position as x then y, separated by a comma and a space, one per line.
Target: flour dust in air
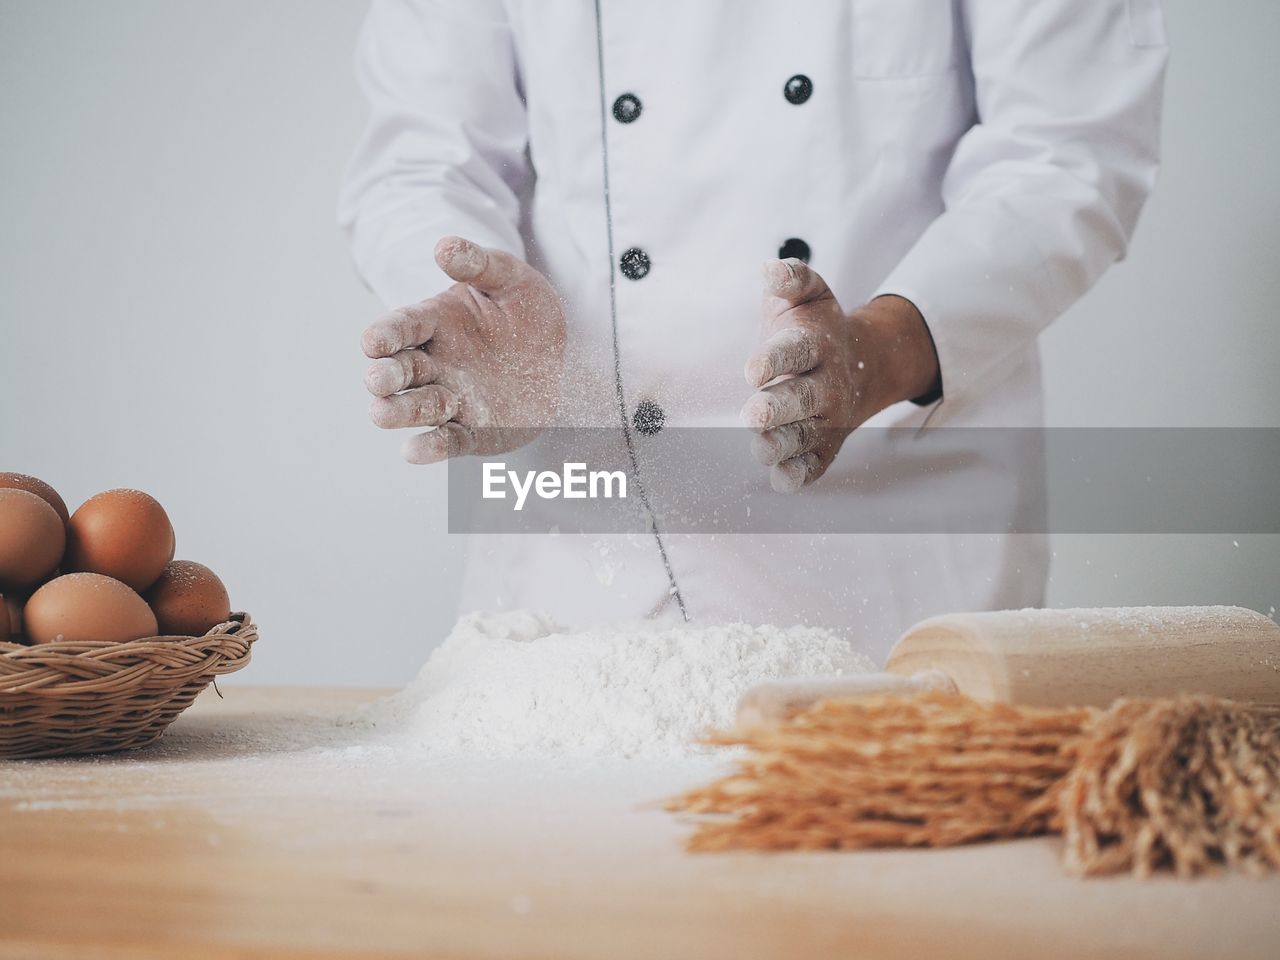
515, 684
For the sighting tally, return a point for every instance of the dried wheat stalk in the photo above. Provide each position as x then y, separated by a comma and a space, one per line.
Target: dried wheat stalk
1182, 783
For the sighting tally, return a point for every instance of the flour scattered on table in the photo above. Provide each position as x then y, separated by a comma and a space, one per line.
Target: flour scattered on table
516, 684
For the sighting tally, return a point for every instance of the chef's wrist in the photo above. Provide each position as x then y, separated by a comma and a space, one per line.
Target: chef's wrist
911, 358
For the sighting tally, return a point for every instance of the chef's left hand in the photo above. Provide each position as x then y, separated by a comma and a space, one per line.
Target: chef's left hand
837, 370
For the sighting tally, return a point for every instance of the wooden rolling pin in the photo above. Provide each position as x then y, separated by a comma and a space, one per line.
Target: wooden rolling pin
1059, 658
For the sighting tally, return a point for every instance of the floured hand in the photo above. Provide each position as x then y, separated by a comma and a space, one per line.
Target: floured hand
820, 373
481, 362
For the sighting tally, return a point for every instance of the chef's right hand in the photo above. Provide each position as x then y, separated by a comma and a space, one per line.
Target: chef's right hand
480, 363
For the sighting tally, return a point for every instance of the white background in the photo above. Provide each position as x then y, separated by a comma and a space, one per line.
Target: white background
178, 313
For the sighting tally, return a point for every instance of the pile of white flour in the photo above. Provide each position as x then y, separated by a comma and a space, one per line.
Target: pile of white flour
515, 684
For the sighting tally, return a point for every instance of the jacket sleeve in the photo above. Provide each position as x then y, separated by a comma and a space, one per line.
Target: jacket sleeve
444, 151
1043, 193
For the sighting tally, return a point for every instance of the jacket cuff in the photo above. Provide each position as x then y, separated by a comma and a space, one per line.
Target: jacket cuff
984, 292
402, 270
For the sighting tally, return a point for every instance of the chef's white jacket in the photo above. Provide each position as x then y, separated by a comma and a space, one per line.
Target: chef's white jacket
985, 159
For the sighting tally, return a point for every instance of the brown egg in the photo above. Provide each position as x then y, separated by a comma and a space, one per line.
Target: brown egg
6, 629
87, 606
123, 534
188, 600
31, 539
20, 481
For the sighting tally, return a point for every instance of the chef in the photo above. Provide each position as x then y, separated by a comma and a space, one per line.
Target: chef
566, 205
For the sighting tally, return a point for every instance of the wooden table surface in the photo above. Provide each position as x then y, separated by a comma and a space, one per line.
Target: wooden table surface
238, 836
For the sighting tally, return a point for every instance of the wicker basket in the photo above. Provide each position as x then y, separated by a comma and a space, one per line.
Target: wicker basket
90, 697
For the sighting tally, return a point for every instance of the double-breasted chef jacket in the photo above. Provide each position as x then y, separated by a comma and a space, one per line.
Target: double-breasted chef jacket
985, 159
